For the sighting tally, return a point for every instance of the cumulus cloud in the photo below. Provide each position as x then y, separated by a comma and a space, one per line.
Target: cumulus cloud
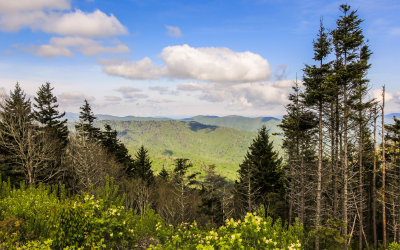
60, 46
173, 31
220, 65
143, 69
74, 98
214, 64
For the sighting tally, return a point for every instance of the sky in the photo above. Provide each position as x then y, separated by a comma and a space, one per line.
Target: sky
182, 58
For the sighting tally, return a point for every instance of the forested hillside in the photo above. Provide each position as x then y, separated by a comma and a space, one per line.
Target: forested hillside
203, 144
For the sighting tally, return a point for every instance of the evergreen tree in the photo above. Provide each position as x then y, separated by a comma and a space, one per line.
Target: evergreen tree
211, 196
260, 176
299, 127
315, 83
142, 166
86, 129
110, 141
48, 116
54, 126
164, 175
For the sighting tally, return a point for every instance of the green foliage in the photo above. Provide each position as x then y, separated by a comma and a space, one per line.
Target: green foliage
91, 223
33, 207
330, 235
253, 231
394, 246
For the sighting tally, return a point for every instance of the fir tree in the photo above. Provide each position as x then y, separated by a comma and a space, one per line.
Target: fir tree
109, 140
86, 128
164, 175
260, 174
142, 166
47, 114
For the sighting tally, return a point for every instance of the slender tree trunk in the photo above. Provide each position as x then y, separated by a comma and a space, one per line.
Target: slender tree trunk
302, 192
319, 176
374, 188
383, 170
360, 184
345, 162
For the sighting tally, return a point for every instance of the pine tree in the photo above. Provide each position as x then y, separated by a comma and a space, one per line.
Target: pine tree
211, 195
55, 127
347, 40
260, 176
86, 129
164, 175
142, 166
28, 150
48, 116
109, 140
299, 127
314, 81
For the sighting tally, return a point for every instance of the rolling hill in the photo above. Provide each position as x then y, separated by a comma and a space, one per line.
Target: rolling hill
239, 122
201, 143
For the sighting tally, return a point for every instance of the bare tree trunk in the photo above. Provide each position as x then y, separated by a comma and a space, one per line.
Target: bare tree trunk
319, 176
383, 170
345, 162
360, 184
374, 187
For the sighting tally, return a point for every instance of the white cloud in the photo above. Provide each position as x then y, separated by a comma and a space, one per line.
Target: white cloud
55, 17
214, 64
61, 46
74, 98
173, 31
9, 6
143, 69
78, 23
206, 64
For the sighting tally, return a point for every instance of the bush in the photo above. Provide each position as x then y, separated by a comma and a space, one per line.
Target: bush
91, 223
252, 232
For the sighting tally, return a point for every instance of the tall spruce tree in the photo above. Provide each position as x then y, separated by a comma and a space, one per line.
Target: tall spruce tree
47, 114
110, 141
347, 40
260, 175
299, 128
315, 97
142, 166
85, 128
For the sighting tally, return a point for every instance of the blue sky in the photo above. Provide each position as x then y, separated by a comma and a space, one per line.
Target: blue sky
181, 58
